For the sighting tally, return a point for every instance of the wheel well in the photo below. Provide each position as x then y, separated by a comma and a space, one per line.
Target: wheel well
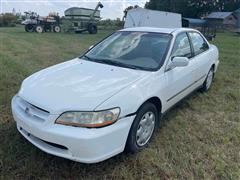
156, 101
213, 66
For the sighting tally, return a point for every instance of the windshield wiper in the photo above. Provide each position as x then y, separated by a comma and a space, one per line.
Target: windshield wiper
112, 62
88, 58
116, 63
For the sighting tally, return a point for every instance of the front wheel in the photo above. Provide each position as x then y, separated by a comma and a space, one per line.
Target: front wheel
29, 28
208, 81
143, 128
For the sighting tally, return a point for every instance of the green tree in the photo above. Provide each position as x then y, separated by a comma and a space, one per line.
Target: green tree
228, 5
8, 19
193, 8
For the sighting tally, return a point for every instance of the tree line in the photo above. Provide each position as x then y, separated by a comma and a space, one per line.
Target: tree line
8, 20
193, 8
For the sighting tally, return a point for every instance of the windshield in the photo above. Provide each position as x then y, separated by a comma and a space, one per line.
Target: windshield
137, 50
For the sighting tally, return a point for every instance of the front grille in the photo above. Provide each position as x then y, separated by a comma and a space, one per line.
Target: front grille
32, 111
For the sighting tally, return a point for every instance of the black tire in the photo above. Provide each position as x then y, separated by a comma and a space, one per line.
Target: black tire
47, 28
132, 146
206, 86
29, 28
92, 29
57, 29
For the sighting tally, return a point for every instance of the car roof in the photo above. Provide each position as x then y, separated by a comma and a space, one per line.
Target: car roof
158, 30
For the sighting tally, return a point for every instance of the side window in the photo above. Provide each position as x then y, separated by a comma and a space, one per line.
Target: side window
181, 46
199, 44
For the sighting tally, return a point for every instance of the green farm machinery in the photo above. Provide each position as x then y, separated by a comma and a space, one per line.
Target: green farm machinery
81, 19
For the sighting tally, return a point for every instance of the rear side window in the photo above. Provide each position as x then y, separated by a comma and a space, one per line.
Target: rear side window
199, 44
181, 46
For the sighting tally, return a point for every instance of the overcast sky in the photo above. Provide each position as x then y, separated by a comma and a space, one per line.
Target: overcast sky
112, 8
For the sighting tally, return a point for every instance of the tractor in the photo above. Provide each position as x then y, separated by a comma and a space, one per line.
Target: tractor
34, 22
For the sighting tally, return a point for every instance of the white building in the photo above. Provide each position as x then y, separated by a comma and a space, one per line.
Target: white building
139, 17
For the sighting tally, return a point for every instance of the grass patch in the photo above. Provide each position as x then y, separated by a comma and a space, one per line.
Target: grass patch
200, 138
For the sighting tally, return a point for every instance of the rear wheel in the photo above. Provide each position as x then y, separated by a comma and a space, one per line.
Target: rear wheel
208, 81
29, 28
39, 29
92, 29
57, 29
143, 128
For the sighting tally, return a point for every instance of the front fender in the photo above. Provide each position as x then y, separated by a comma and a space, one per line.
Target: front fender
131, 98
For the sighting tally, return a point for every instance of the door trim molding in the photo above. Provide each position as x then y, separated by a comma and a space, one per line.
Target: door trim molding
186, 88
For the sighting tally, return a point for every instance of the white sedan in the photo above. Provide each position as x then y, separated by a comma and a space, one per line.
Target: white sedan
112, 98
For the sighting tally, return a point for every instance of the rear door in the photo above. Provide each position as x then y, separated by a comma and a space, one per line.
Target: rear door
201, 56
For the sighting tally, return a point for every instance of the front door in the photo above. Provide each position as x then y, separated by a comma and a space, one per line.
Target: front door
179, 79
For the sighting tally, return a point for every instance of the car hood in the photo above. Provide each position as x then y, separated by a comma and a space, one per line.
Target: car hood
78, 85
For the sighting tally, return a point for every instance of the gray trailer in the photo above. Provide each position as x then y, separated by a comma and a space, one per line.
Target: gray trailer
81, 19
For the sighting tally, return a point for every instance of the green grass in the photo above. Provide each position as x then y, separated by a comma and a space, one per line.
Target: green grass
200, 138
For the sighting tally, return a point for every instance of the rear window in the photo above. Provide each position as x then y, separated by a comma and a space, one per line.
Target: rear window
199, 43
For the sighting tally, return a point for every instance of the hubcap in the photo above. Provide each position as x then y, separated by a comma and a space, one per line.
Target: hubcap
57, 29
145, 128
39, 29
209, 79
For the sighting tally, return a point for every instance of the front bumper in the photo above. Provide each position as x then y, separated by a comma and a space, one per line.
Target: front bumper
75, 143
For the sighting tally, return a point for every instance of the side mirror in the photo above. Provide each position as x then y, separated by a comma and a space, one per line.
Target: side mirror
90, 47
178, 62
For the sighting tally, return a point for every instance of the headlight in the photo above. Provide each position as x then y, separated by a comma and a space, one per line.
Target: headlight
89, 119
